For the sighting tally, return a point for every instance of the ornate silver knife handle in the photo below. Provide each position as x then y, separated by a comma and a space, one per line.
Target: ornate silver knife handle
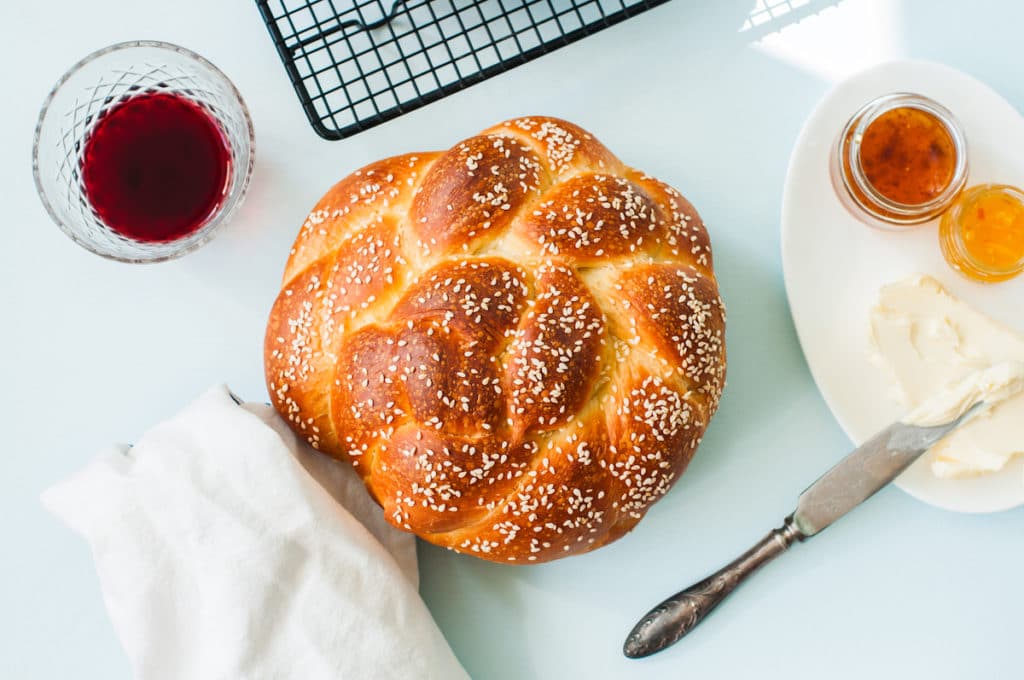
678, 615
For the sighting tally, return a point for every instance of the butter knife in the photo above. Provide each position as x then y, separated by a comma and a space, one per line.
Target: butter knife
849, 483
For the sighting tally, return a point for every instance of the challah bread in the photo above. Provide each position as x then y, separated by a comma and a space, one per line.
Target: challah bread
518, 342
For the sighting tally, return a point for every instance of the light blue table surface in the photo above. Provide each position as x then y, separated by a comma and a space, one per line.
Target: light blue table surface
94, 351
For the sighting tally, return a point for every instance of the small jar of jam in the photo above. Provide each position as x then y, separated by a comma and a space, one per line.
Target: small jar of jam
982, 234
900, 160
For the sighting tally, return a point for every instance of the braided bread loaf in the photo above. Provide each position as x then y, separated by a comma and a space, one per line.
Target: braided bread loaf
518, 342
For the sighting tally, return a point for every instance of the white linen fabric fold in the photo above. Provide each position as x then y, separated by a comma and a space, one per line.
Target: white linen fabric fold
227, 549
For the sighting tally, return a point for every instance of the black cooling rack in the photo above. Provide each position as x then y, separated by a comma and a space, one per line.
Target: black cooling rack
358, 63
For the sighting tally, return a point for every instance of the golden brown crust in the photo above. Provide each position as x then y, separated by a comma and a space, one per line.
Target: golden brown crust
555, 357
384, 186
518, 343
474, 190
594, 218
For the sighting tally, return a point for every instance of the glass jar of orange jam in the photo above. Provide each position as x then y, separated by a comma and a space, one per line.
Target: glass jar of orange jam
982, 234
900, 160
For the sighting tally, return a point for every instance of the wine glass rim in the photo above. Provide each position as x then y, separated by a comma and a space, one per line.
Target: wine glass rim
207, 230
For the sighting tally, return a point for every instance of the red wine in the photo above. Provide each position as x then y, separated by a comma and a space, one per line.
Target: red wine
155, 167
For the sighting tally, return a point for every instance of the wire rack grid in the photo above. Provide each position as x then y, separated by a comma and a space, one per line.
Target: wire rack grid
357, 63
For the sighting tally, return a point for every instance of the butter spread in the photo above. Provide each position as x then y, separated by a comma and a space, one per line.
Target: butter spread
943, 355
991, 385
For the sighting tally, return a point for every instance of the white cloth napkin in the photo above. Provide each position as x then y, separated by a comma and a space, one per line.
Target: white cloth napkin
226, 550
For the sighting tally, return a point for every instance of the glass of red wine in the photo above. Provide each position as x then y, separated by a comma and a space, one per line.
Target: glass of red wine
142, 150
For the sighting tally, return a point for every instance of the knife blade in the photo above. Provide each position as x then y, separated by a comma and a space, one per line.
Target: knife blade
846, 485
865, 470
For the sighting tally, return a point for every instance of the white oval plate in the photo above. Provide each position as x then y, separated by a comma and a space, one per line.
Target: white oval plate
834, 265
